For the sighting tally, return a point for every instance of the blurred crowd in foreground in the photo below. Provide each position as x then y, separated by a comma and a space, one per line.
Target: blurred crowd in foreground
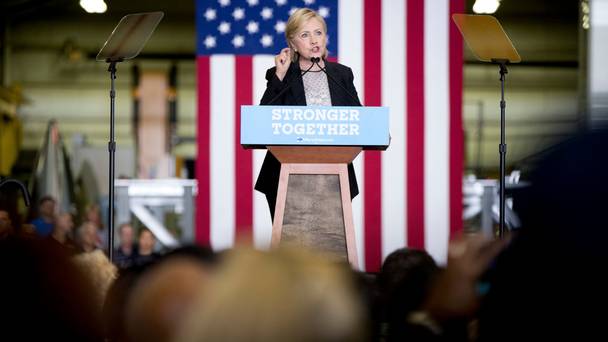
543, 283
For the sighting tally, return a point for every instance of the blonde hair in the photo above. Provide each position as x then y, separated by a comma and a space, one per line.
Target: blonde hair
100, 271
163, 297
283, 295
295, 23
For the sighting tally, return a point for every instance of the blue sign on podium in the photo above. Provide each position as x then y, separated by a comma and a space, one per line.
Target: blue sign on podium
367, 127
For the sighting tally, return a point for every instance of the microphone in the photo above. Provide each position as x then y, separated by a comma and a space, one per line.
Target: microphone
316, 61
289, 85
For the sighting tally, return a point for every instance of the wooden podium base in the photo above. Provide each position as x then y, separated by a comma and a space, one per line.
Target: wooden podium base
314, 210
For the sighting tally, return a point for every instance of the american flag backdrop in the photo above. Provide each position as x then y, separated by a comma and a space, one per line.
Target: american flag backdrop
405, 54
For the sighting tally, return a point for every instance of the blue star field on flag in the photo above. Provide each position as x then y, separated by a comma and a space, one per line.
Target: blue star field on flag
251, 27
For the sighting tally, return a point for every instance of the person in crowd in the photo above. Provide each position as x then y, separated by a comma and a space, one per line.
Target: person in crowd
549, 284
100, 271
86, 238
45, 296
283, 295
125, 254
163, 288
163, 297
43, 224
6, 226
60, 237
145, 248
405, 281
455, 295
92, 214
297, 80
114, 308
368, 293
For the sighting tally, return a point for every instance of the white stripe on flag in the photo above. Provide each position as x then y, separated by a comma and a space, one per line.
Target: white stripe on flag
393, 96
222, 152
350, 53
436, 128
262, 224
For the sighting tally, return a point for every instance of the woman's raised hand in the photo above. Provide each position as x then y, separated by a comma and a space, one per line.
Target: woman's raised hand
282, 62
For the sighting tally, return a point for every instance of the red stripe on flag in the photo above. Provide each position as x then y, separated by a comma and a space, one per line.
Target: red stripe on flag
456, 130
415, 123
243, 158
372, 59
203, 175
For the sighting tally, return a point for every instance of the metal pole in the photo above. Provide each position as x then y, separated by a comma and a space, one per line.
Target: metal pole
502, 148
112, 164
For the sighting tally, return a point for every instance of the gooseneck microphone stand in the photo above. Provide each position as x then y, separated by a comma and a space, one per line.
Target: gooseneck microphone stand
316, 61
287, 87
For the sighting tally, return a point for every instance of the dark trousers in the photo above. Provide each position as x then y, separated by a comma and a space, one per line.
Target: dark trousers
272, 200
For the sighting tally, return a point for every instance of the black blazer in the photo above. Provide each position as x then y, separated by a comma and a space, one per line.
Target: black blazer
268, 180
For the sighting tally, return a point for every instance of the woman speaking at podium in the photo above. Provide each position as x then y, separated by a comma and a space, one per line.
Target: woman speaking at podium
303, 77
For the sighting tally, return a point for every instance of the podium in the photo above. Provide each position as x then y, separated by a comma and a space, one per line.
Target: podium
314, 145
